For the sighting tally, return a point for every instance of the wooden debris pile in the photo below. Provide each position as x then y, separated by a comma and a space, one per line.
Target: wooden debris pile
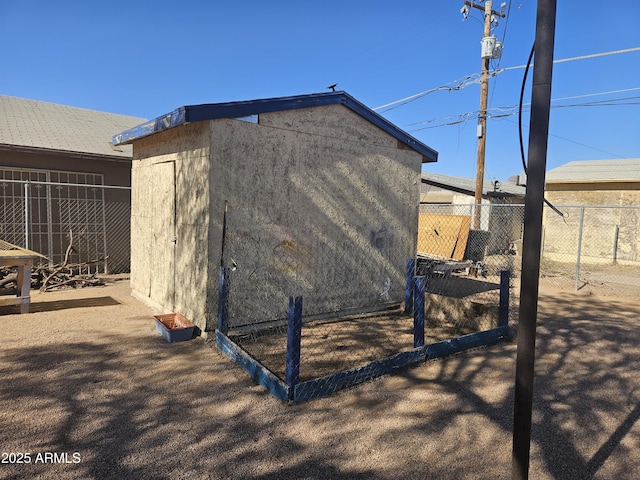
52, 277
47, 277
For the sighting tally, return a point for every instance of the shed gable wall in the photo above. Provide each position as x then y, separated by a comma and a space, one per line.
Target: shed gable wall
321, 204
331, 122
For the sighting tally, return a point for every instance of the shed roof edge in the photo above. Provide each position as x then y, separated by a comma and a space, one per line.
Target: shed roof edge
197, 113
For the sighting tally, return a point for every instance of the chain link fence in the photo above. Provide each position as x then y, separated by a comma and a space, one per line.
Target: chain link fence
584, 248
321, 314
594, 249
321, 317
351, 293
46, 211
464, 265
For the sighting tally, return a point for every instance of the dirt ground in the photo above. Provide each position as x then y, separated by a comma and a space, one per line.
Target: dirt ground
91, 390
340, 344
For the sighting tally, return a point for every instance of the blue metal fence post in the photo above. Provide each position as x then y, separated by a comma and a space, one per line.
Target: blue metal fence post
419, 289
223, 301
294, 336
503, 309
408, 292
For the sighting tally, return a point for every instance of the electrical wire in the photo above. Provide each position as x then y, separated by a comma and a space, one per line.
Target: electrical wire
581, 57
475, 78
502, 112
521, 136
520, 103
601, 103
451, 86
504, 37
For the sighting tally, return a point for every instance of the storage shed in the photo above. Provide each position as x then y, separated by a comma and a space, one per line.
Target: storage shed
322, 199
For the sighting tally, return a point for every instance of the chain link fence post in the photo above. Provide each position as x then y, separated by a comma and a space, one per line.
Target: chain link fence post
223, 301
503, 308
616, 233
580, 231
419, 290
294, 336
408, 292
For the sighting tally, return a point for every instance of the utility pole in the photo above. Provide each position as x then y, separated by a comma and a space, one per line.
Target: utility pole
532, 238
490, 49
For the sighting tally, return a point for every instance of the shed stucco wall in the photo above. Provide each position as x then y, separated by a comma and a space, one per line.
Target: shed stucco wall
170, 179
321, 204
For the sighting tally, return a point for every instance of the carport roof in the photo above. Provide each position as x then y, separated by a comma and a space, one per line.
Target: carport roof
212, 111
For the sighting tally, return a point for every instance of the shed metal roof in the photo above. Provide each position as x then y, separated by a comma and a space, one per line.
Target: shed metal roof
32, 124
596, 171
467, 186
211, 111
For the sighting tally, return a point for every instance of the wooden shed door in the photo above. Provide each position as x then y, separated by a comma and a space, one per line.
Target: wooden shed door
163, 234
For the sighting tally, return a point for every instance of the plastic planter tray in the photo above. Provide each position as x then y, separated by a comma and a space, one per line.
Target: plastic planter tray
174, 327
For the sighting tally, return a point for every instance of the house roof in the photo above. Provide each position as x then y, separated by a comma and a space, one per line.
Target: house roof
211, 111
596, 171
31, 124
467, 186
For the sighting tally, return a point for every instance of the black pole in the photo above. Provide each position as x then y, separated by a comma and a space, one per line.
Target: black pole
224, 233
538, 137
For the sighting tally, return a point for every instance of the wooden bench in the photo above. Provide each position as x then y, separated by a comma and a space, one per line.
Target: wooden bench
14, 256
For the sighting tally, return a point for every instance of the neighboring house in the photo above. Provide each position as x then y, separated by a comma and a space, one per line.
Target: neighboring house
595, 182
502, 212
584, 189
56, 148
321, 197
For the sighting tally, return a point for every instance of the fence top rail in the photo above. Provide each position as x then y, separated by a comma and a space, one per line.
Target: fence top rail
60, 184
521, 205
586, 207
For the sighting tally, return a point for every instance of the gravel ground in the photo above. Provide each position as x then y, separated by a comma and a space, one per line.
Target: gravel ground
90, 390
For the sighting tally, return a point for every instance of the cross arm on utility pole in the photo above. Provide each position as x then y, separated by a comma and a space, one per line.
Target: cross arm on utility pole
481, 7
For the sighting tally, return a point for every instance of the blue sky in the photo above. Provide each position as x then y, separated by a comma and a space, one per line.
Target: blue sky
147, 58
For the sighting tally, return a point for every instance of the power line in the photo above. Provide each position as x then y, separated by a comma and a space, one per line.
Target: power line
472, 115
454, 85
512, 109
504, 36
582, 57
475, 78
504, 112
624, 90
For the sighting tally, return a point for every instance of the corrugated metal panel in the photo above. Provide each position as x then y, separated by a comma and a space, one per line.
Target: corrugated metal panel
50, 126
467, 185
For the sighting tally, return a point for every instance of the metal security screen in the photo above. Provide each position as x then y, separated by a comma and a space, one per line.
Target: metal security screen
42, 210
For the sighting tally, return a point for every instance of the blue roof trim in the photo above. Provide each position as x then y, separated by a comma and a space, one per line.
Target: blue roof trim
198, 113
169, 120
